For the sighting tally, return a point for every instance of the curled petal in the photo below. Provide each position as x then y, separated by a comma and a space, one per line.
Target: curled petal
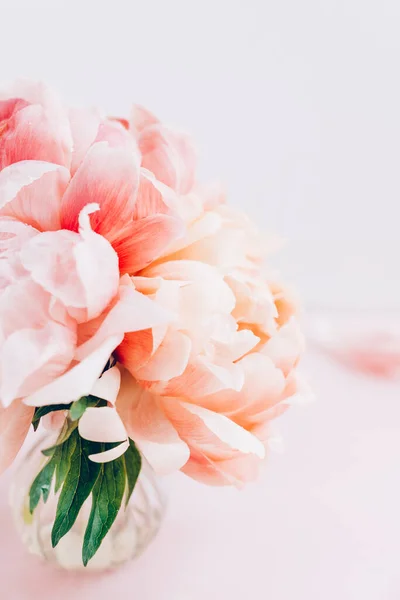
107, 387
109, 455
109, 177
210, 432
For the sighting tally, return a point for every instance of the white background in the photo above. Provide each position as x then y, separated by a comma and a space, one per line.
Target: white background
294, 105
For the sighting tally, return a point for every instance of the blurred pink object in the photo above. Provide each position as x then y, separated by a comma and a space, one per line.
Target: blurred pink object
365, 340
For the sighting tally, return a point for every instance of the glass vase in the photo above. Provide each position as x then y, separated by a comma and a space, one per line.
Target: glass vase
134, 528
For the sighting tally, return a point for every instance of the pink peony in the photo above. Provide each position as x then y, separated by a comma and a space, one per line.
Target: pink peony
110, 246
205, 387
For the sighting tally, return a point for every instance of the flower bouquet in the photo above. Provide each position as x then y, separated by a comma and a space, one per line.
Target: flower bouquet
139, 324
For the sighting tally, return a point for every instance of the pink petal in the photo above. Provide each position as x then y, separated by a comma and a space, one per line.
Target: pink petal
263, 387
109, 177
135, 349
25, 184
110, 455
32, 134
80, 270
286, 346
132, 312
210, 432
13, 235
234, 471
38, 93
84, 127
207, 292
54, 421
115, 134
107, 387
79, 380
170, 359
153, 197
201, 378
142, 242
15, 422
205, 226
32, 358
148, 426
141, 118
169, 155
102, 424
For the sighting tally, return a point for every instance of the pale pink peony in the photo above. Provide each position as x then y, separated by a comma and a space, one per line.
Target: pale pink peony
210, 343
203, 389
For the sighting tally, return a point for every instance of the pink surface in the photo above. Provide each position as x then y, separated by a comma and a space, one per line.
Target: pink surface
322, 523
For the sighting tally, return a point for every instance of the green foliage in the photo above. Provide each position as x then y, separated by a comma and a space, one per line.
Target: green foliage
133, 465
41, 411
107, 497
81, 475
76, 477
42, 484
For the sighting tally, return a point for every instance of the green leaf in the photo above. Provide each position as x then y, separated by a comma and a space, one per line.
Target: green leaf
133, 465
78, 484
41, 485
78, 408
66, 431
108, 494
63, 455
41, 411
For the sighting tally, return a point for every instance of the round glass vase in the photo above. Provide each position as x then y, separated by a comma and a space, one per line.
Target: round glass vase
134, 528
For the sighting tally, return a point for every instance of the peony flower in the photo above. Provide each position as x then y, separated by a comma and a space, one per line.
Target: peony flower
52, 285
202, 390
112, 247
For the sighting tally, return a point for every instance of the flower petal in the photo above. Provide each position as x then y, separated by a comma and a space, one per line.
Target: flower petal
143, 241
169, 155
149, 427
23, 187
286, 346
32, 134
102, 424
132, 312
107, 386
80, 270
79, 380
109, 455
15, 422
32, 358
211, 432
109, 177
232, 471
169, 361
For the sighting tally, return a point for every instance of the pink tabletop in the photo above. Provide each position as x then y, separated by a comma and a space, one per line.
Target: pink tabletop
323, 523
